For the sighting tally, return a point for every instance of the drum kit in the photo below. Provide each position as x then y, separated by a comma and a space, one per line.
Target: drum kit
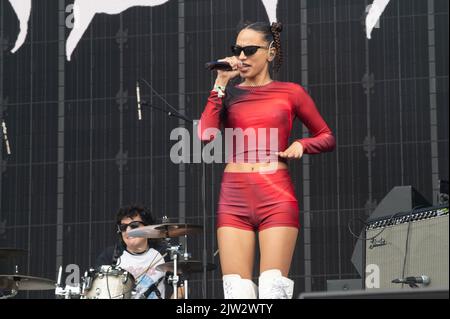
109, 281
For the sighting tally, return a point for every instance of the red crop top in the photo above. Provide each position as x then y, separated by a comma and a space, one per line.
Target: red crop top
259, 109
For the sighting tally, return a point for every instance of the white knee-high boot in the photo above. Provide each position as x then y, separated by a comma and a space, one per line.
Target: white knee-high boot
272, 285
234, 287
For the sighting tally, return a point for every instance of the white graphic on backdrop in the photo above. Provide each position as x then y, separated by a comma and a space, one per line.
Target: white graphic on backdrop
22, 8
376, 10
271, 9
85, 10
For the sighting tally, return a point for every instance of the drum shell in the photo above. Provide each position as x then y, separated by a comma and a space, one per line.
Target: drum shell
109, 283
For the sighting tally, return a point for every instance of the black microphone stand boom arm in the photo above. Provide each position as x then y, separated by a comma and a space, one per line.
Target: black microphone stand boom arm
176, 114
173, 113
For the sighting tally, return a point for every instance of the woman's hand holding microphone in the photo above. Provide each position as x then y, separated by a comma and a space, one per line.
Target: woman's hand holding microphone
223, 77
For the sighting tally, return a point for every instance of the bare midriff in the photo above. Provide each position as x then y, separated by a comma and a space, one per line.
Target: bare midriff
254, 167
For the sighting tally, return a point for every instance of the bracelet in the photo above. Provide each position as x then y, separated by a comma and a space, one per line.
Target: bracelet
220, 90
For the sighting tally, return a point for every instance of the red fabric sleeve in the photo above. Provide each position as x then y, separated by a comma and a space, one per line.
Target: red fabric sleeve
209, 124
321, 137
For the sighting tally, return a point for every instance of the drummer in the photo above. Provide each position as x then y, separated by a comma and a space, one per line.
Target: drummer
138, 256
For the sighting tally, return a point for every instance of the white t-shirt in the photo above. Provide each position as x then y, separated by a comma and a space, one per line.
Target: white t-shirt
143, 269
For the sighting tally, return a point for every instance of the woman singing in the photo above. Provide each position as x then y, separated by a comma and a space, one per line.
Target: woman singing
257, 194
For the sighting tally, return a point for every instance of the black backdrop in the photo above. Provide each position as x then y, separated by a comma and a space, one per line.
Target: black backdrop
78, 151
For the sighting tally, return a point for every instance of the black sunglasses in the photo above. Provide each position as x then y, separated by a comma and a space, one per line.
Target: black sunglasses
248, 50
132, 225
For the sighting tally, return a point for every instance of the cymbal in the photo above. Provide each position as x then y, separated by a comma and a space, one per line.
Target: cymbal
186, 266
20, 282
11, 252
166, 230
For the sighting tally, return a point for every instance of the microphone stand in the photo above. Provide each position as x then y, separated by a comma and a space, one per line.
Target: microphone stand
176, 114
168, 113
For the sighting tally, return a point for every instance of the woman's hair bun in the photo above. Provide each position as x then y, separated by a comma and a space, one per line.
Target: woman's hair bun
277, 27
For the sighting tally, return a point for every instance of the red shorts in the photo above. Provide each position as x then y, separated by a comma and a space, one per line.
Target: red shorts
256, 201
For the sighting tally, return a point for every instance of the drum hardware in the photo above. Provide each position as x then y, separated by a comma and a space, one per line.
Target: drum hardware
68, 292
182, 267
176, 267
174, 278
169, 230
186, 267
12, 294
88, 278
175, 252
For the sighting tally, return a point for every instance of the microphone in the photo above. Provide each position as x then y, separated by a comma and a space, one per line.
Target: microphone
138, 97
413, 281
5, 137
116, 256
218, 65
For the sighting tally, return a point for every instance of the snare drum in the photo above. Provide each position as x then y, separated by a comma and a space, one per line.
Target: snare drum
107, 283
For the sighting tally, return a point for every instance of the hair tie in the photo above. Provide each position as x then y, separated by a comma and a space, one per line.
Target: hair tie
276, 27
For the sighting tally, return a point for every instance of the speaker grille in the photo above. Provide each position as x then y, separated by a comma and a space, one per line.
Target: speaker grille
427, 252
